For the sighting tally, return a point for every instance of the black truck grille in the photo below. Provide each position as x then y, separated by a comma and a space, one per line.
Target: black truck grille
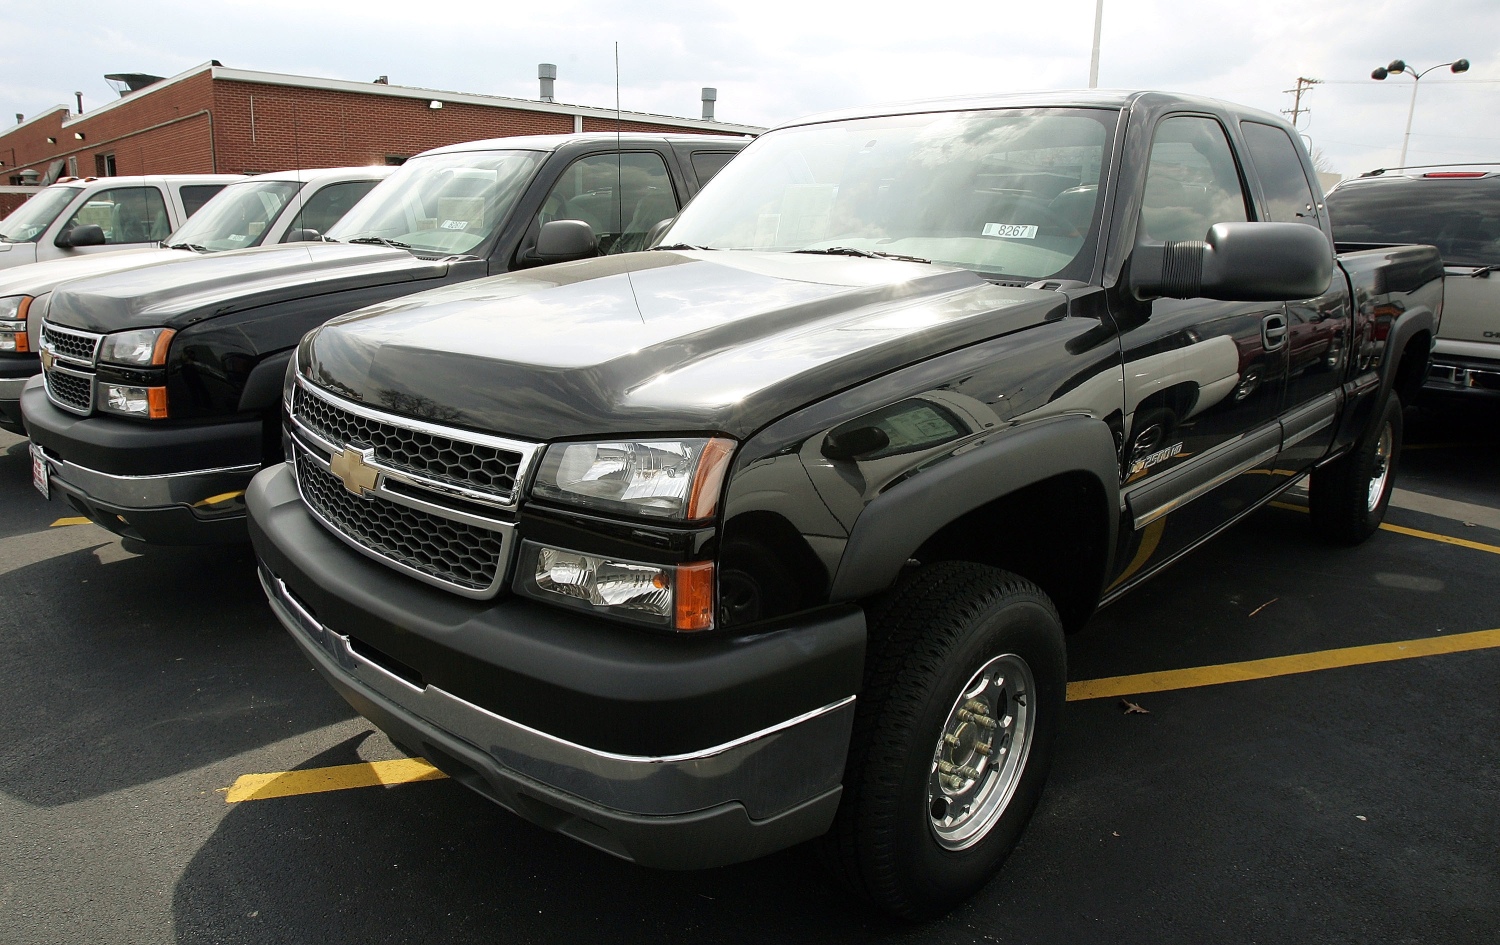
470, 465
70, 390
78, 345
451, 551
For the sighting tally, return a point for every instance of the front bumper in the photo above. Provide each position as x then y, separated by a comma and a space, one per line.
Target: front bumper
1468, 376
15, 371
674, 753
163, 485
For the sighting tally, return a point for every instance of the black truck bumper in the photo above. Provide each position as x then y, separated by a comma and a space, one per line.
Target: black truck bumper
674, 753
15, 371
163, 485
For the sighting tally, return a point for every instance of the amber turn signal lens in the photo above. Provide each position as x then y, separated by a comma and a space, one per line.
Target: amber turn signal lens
695, 596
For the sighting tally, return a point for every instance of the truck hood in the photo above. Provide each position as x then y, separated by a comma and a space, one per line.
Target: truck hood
16, 254
657, 342
42, 277
221, 283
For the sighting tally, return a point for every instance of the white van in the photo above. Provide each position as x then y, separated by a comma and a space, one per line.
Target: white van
82, 216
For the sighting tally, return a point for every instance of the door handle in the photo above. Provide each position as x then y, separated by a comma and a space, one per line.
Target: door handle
1273, 331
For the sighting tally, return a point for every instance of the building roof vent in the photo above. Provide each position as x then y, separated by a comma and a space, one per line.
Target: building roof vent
546, 73
127, 82
709, 97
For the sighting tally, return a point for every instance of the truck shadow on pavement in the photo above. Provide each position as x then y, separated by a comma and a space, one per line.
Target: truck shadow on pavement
117, 670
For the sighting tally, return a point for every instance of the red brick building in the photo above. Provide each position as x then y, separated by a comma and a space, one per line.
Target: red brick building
212, 119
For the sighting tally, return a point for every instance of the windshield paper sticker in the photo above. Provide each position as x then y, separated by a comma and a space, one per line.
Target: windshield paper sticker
1010, 231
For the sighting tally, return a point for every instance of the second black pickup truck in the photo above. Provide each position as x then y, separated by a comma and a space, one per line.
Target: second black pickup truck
774, 532
160, 394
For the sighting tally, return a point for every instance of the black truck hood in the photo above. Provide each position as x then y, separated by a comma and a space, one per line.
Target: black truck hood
179, 295
657, 342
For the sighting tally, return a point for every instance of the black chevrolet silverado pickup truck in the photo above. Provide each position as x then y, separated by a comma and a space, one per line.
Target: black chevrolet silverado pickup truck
774, 532
158, 399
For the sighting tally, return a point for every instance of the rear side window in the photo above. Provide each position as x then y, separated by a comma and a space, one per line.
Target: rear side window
1460, 217
126, 215
708, 163
1192, 181
194, 196
328, 206
1289, 197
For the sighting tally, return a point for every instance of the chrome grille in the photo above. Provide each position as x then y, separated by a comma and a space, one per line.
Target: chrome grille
70, 390
452, 552
423, 452
74, 345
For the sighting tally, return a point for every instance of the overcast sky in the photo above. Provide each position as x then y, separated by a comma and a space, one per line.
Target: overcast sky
773, 60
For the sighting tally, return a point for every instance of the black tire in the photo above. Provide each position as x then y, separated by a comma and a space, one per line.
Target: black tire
930, 640
1340, 494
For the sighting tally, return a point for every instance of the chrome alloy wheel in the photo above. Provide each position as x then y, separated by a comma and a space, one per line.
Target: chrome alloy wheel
981, 753
1380, 471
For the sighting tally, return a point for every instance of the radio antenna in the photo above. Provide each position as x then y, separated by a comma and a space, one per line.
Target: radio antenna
619, 158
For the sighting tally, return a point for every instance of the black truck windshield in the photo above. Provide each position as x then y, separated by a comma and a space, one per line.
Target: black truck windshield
442, 203
238, 216
1008, 193
30, 220
1461, 217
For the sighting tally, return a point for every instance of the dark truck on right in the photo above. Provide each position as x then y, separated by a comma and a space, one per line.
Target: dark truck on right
773, 533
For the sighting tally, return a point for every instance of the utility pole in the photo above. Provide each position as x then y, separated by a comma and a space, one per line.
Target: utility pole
1297, 111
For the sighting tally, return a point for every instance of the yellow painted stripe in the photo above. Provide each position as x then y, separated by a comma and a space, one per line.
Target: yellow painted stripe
216, 499
1413, 532
259, 787
1280, 665
77, 520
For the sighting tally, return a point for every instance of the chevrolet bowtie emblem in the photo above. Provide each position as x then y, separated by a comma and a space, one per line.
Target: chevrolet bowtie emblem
350, 467
46, 360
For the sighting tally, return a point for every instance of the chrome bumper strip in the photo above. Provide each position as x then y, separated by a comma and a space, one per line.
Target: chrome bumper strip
768, 771
145, 492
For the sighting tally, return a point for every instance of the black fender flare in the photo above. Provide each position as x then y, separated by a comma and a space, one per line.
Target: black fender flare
899, 521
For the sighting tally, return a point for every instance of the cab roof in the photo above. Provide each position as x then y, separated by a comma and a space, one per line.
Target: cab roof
553, 142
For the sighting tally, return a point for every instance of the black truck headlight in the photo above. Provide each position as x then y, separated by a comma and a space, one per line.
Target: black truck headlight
141, 347
147, 403
670, 479
13, 324
678, 597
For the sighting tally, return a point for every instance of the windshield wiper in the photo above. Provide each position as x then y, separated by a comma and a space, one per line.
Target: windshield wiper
672, 246
379, 241
192, 246
863, 253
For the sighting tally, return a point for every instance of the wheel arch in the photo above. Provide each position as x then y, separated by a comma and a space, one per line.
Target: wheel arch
1041, 501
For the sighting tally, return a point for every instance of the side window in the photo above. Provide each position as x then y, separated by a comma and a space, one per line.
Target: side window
708, 163
1191, 183
587, 191
326, 207
126, 214
1289, 198
194, 196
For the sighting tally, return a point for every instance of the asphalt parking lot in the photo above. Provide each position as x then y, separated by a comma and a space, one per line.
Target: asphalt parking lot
1306, 749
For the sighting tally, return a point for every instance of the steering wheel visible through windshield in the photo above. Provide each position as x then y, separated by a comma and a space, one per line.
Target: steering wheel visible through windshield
1009, 193
442, 203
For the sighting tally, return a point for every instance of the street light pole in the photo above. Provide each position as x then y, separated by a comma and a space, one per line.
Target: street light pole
1094, 61
1399, 67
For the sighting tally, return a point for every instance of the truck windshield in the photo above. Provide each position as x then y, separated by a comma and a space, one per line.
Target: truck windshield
239, 216
30, 220
1009, 193
1461, 217
443, 203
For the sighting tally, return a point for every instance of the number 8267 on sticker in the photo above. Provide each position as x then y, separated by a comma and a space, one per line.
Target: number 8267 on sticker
1014, 231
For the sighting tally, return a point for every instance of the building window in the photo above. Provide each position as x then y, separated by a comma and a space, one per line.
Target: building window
104, 165
73, 166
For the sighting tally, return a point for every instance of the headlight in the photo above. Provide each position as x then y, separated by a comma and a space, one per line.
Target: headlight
140, 348
147, 403
677, 479
678, 597
13, 324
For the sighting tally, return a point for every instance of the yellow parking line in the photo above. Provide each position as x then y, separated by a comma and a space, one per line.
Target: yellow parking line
216, 499
78, 520
259, 787
1280, 665
1413, 532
